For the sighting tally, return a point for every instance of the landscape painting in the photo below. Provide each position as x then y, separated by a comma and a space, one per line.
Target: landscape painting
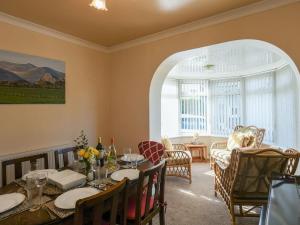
26, 79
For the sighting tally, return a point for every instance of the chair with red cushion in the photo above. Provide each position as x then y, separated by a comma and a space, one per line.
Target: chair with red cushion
152, 150
149, 200
90, 210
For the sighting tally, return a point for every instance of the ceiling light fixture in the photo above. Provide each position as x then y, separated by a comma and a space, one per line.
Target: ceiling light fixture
99, 4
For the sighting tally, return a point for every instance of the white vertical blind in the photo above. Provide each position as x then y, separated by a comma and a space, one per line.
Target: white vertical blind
226, 105
286, 108
266, 100
259, 103
193, 105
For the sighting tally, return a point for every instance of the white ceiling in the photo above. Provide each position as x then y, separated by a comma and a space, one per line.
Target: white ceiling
226, 60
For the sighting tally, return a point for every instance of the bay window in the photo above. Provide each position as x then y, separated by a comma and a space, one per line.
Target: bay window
216, 106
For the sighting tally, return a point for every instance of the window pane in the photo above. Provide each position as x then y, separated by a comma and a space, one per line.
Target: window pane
193, 105
260, 103
226, 106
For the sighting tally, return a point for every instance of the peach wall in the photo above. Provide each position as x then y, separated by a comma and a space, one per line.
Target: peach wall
31, 127
133, 68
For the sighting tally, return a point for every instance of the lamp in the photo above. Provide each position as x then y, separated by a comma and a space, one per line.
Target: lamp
99, 4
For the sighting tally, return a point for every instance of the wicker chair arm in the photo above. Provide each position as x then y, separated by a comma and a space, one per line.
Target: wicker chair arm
175, 156
179, 147
219, 145
226, 174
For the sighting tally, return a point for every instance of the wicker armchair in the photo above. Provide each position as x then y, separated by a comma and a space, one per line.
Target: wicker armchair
218, 150
246, 181
179, 162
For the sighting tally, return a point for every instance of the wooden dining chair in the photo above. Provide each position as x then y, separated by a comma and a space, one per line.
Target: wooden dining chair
18, 165
90, 210
149, 200
65, 155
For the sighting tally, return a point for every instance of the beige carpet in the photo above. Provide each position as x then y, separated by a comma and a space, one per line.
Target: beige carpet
195, 204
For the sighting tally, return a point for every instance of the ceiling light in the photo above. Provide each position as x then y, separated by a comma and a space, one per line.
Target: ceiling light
99, 4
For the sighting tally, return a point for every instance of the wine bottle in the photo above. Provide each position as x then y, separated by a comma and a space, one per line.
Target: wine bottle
101, 150
112, 154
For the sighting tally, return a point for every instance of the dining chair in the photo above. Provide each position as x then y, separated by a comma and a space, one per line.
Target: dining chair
151, 150
149, 199
91, 209
65, 154
18, 165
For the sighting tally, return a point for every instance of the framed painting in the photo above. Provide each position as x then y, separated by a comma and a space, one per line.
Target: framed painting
27, 79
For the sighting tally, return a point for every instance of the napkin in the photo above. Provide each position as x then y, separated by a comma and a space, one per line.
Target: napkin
67, 179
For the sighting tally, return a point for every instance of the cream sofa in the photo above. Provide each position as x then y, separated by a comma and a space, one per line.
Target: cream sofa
242, 137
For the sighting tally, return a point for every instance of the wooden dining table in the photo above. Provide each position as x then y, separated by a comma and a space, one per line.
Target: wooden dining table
44, 216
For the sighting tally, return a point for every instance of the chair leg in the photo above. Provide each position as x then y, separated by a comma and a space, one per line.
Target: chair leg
232, 214
162, 216
150, 222
190, 173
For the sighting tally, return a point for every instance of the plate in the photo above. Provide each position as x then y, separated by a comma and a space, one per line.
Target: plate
46, 171
68, 199
132, 157
131, 174
9, 201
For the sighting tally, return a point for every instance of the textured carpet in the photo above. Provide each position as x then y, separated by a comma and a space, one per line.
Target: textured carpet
195, 204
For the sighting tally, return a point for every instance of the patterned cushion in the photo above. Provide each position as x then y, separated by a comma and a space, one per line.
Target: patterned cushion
167, 143
237, 140
151, 150
221, 155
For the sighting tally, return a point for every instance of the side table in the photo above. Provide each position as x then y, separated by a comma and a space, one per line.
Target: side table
198, 152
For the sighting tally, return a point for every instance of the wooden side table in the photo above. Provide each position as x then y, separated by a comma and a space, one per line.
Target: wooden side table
201, 149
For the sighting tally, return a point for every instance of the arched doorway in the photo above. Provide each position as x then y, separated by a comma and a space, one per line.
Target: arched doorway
168, 64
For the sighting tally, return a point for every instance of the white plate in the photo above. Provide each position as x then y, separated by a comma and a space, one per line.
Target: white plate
131, 174
68, 199
46, 171
9, 201
132, 157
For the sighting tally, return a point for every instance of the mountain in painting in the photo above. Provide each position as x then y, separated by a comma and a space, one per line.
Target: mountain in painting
30, 75
16, 67
38, 73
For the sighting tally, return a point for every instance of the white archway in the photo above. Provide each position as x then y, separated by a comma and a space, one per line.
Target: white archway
166, 66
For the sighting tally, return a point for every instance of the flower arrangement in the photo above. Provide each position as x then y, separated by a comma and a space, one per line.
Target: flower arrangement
88, 155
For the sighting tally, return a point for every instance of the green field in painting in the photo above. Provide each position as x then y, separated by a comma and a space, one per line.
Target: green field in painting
26, 95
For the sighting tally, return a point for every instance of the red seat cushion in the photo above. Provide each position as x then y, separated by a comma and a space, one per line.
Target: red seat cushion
132, 205
152, 151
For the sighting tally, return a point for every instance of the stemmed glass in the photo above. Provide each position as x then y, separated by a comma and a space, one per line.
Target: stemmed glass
127, 155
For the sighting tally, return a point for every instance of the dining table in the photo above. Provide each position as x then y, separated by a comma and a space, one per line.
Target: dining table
43, 215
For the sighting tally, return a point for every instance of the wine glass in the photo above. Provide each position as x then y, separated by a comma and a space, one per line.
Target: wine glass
127, 155
41, 181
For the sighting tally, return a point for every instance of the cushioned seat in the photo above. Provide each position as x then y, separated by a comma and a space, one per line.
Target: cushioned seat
132, 205
221, 155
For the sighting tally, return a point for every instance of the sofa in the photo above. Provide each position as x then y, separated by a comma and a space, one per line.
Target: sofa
242, 137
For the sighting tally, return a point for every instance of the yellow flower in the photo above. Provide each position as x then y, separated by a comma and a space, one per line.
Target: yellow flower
81, 152
86, 155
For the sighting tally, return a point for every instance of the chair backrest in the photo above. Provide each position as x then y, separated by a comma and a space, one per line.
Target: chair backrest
18, 165
254, 169
64, 153
103, 202
152, 151
152, 184
258, 133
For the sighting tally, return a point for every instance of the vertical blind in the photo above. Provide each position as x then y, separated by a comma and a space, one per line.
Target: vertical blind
265, 100
193, 105
226, 105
